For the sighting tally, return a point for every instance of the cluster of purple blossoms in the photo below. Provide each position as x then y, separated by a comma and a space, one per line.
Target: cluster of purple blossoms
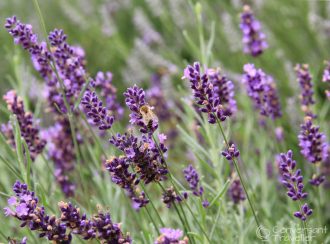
108, 91
231, 153
141, 113
326, 77
28, 129
68, 61
95, 111
192, 177
224, 90
236, 192
305, 80
293, 180
25, 207
312, 142
169, 197
253, 38
171, 236
261, 88
119, 168
61, 152
144, 156
156, 98
207, 94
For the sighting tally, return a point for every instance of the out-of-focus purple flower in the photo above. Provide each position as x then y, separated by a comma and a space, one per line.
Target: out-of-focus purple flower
206, 93
279, 134
29, 131
231, 153
326, 77
224, 90
317, 180
254, 40
144, 155
261, 88
141, 113
305, 80
192, 177
171, 236
293, 181
326, 72
236, 192
61, 151
304, 212
109, 93
95, 111
312, 142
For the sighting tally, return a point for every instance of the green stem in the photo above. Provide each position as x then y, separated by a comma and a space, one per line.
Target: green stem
152, 220
241, 179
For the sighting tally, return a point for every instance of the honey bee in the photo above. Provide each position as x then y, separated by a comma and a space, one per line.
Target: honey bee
148, 116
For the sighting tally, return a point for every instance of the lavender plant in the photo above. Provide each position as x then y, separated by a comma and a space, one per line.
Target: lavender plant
161, 175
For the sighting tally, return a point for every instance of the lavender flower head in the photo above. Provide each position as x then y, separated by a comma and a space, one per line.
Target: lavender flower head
207, 94
192, 177
169, 197
25, 207
312, 142
293, 180
95, 111
171, 236
109, 92
326, 77
236, 192
253, 38
141, 114
29, 131
224, 89
305, 80
231, 153
261, 88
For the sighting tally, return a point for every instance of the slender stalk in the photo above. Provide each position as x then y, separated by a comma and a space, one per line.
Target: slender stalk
153, 206
241, 179
152, 220
177, 191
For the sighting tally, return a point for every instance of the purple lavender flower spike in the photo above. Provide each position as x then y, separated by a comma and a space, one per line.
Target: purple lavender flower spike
192, 177
293, 180
231, 153
95, 111
25, 207
305, 80
141, 113
312, 142
224, 90
171, 236
236, 192
253, 38
326, 77
261, 88
29, 131
61, 151
170, 197
207, 94
109, 92
304, 212
143, 155
120, 175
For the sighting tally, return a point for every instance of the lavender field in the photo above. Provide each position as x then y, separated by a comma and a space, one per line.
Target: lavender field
165, 121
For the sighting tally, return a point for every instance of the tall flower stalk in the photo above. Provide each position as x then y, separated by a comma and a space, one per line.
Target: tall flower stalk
206, 98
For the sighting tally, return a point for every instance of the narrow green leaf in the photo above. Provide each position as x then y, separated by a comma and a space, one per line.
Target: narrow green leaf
18, 143
11, 168
81, 94
220, 194
28, 163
